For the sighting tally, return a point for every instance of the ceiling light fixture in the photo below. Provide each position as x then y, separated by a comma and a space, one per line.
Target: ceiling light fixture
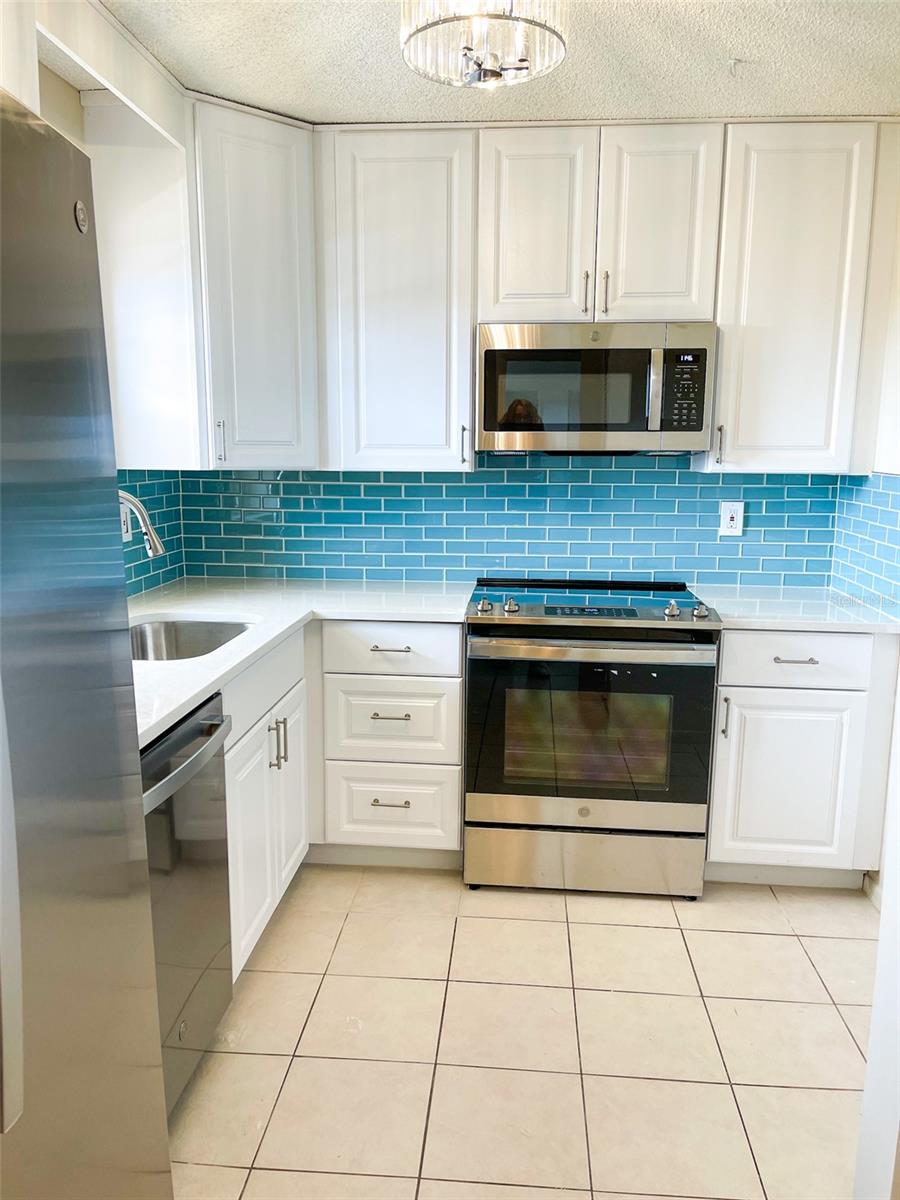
483, 43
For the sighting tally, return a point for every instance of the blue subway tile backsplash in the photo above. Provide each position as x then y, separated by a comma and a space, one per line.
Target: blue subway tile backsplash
160, 493
867, 537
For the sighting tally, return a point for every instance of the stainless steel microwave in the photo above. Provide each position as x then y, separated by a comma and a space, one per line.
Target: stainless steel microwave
596, 388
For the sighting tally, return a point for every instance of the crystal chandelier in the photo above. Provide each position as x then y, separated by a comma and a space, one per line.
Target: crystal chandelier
483, 43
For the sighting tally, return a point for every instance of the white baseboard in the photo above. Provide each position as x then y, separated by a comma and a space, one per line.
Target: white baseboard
872, 886
384, 856
789, 876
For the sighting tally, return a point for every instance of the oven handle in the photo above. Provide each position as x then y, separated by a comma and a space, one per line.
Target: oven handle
649, 654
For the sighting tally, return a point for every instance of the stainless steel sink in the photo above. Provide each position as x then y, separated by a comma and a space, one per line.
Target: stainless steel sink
159, 640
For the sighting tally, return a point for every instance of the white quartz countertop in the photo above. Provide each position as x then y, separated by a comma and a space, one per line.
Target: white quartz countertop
166, 691
803, 608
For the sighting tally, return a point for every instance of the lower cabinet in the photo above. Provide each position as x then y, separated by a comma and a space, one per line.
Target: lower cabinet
787, 776
392, 804
265, 777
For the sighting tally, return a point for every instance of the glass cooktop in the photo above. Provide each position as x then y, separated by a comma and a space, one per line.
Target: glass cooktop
577, 600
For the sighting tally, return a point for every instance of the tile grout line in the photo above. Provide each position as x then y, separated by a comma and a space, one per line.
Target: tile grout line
836, 1006
587, 1135
727, 1071
437, 1050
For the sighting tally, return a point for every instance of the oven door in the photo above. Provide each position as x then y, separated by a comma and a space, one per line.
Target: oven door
570, 387
585, 734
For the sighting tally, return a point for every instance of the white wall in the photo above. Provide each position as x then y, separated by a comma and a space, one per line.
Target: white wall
61, 105
18, 52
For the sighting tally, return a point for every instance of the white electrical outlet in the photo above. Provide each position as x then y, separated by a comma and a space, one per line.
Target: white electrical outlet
731, 518
125, 519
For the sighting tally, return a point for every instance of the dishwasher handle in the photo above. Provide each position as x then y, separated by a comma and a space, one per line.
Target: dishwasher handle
167, 787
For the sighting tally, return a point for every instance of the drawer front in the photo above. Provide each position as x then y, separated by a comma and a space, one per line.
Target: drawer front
381, 804
392, 648
795, 660
384, 719
250, 695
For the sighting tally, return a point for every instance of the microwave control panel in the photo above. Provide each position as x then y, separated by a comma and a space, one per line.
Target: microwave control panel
684, 386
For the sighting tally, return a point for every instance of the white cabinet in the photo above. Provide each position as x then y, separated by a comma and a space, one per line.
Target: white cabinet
786, 782
393, 804
401, 222
389, 718
258, 262
18, 52
291, 786
659, 222
537, 221
792, 276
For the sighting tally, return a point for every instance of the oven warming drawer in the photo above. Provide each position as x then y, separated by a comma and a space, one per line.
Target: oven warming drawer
652, 816
594, 862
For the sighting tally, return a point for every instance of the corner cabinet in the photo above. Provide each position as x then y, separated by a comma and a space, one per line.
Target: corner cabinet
398, 244
258, 269
792, 280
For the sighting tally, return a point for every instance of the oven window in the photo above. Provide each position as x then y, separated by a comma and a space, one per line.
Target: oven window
566, 390
629, 732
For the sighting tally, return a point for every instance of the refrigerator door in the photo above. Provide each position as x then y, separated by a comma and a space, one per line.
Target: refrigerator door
93, 1121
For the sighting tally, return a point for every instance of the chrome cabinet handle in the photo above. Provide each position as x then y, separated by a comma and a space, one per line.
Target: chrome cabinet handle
587, 280
282, 721
276, 729
378, 717
727, 702
220, 435
391, 649
463, 430
720, 429
376, 803
796, 662
605, 292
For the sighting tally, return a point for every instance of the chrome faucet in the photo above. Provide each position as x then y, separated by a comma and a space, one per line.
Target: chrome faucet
151, 540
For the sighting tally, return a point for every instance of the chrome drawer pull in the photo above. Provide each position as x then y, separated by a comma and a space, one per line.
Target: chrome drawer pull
282, 721
276, 729
376, 803
378, 717
796, 662
726, 701
391, 649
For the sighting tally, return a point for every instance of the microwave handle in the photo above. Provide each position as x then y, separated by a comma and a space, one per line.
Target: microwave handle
654, 422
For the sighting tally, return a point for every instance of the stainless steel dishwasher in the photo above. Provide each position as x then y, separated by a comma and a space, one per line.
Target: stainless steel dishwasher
183, 775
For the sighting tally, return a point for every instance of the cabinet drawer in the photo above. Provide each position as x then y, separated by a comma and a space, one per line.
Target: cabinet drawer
795, 660
386, 719
392, 648
251, 694
386, 804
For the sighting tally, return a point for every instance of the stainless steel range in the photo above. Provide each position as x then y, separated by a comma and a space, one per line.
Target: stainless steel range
589, 715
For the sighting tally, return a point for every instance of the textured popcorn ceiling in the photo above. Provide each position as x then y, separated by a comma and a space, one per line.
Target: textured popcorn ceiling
339, 60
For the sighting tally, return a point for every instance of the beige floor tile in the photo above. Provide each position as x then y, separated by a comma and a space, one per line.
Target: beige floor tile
310, 1185
676, 1139
324, 888
222, 1114
193, 1182
365, 1118
509, 1025
504, 951
632, 1196
394, 945
407, 890
847, 967
513, 902
804, 1141
267, 1012
631, 959
858, 1018
518, 1127
734, 907
296, 941
829, 912
786, 1045
375, 1018
662, 1037
754, 966
443, 1189
609, 909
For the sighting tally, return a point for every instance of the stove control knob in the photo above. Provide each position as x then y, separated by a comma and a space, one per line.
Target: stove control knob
672, 611
484, 605
701, 612
511, 605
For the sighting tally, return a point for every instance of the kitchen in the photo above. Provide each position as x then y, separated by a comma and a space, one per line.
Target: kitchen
505, 486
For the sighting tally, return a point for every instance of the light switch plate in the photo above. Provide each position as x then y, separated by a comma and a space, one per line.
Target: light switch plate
125, 519
731, 518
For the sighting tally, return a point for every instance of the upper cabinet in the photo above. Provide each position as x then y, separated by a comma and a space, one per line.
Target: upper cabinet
580, 224
398, 248
792, 279
659, 222
258, 265
537, 224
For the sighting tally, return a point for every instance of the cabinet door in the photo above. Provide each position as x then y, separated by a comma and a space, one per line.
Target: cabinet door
658, 228
795, 234
404, 230
258, 254
251, 839
786, 778
290, 791
537, 216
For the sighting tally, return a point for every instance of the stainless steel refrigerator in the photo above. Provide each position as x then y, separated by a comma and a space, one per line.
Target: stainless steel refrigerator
82, 1087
